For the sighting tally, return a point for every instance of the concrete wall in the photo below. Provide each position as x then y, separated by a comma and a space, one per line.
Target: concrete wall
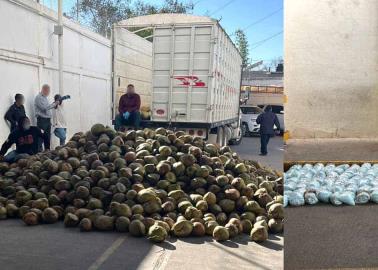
29, 58
331, 68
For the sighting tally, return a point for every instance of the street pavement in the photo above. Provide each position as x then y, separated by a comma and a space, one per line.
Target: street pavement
46, 247
250, 149
327, 236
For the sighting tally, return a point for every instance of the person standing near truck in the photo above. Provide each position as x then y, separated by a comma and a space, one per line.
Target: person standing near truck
267, 120
43, 112
15, 112
26, 138
129, 106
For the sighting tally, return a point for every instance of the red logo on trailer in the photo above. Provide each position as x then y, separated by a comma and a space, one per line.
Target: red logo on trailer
187, 81
160, 111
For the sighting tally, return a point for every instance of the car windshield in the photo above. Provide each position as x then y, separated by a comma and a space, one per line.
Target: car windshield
250, 110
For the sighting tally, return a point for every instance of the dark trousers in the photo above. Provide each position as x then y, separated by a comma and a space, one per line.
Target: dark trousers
264, 140
45, 125
133, 120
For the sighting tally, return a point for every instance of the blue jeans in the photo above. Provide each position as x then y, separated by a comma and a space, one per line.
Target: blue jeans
264, 140
61, 134
13, 156
133, 120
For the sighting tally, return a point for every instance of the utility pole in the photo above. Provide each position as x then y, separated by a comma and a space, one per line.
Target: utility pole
59, 31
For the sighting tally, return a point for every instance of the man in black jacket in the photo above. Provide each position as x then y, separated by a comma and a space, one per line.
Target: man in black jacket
267, 120
25, 137
15, 112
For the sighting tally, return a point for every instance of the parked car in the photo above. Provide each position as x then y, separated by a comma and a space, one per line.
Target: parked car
279, 111
249, 115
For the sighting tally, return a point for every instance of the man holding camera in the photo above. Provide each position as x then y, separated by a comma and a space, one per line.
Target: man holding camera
129, 105
59, 122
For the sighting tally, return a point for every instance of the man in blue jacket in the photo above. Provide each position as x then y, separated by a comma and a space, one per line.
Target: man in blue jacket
267, 120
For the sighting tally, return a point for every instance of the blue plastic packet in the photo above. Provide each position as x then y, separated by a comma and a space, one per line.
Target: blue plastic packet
347, 198
362, 197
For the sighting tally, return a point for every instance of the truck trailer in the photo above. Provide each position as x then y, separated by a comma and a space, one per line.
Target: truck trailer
187, 71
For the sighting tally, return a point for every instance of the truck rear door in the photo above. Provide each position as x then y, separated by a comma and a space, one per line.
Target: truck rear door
132, 64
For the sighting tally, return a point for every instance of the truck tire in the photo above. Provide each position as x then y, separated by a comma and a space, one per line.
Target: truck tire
245, 130
236, 141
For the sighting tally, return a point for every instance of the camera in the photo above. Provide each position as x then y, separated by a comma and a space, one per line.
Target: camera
64, 98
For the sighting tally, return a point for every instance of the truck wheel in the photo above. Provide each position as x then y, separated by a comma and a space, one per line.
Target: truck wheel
245, 130
237, 140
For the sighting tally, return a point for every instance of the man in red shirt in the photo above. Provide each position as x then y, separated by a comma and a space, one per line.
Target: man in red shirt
129, 105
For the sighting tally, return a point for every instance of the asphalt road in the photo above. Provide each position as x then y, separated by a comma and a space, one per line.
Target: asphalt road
55, 247
250, 149
326, 236
47, 247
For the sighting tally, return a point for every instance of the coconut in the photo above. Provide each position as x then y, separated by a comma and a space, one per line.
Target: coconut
12, 210
210, 198
198, 229
259, 233
137, 228
247, 226
232, 230
49, 215
275, 225
71, 220
157, 233
192, 212
122, 224
85, 225
227, 205
30, 218
276, 211
221, 233
104, 223
182, 228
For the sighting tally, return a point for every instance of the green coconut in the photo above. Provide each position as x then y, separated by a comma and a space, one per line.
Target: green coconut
97, 129
122, 224
227, 205
192, 212
157, 233
182, 228
137, 228
12, 210
247, 226
259, 233
276, 225
210, 198
71, 220
30, 218
104, 223
49, 215
232, 230
85, 225
276, 211
221, 233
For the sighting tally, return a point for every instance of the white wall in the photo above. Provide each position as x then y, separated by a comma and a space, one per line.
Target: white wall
29, 58
331, 68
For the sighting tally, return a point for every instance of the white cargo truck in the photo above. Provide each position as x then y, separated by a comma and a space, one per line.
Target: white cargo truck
187, 71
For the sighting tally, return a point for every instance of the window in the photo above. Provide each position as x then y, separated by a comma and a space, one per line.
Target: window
251, 110
277, 108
